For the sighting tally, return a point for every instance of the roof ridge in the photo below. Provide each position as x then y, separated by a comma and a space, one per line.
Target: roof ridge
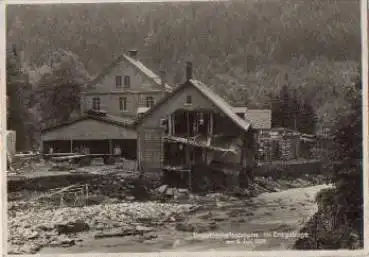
105, 118
105, 71
147, 71
219, 101
142, 67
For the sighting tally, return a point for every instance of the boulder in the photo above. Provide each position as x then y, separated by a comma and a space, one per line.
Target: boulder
45, 227
72, 227
143, 229
117, 233
186, 227
150, 236
33, 235
130, 198
63, 241
29, 248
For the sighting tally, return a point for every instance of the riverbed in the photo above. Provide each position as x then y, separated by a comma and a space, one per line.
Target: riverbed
270, 221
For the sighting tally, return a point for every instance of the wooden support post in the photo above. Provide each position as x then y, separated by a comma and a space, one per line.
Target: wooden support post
188, 123
110, 146
211, 124
173, 120
190, 179
139, 151
205, 156
71, 145
170, 125
188, 136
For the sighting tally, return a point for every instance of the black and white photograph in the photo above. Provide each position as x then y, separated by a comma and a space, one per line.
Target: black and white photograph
184, 127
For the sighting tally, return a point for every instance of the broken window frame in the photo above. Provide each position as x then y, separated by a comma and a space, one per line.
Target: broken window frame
149, 101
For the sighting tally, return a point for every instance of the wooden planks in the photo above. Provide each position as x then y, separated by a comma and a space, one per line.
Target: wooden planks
151, 148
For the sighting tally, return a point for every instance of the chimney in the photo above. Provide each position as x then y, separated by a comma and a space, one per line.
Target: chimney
189, 70
133, 53
162, 77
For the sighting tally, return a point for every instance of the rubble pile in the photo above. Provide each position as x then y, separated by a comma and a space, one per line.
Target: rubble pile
123, 187
34, 228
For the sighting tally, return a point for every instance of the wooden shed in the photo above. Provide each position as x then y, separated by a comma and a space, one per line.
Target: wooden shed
99, 133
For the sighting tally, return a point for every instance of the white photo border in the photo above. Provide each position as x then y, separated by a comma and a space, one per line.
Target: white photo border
365, 102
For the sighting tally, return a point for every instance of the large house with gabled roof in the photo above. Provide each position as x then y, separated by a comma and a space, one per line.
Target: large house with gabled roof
124, 88
110, 103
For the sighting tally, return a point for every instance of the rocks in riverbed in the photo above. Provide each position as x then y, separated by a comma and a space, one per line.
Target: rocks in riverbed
72, 227
63, 241
196, 227
125, 231
174, 193
34, 228
119, 232
143, 229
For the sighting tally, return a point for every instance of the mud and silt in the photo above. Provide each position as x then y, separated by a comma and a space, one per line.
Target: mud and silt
267, 216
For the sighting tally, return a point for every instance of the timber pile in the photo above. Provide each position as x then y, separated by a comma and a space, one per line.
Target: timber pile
73, 195
24, 162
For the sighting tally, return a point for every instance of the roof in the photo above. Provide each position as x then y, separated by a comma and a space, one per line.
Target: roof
114, 120
219, 102
149, 73
260, 119
137, 64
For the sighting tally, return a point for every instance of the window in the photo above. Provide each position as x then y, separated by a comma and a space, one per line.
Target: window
118, 81
123, 103
96, 103
127, 81
149, 101
189, 99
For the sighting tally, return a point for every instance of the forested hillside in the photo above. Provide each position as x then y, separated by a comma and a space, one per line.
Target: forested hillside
244, 49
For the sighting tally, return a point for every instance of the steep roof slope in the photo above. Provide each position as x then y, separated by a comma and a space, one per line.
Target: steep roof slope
136, 64
218, 101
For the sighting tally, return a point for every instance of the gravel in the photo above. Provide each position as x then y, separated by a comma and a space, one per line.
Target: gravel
33, 228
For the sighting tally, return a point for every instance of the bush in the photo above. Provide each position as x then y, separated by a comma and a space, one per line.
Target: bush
339, 220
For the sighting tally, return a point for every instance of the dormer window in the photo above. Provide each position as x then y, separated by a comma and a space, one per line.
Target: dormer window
127, 82
118, 81
96, 103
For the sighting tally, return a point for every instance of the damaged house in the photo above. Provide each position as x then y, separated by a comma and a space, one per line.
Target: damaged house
110, 104
191, 129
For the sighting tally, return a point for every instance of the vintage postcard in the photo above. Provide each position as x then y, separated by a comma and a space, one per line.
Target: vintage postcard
211, 127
